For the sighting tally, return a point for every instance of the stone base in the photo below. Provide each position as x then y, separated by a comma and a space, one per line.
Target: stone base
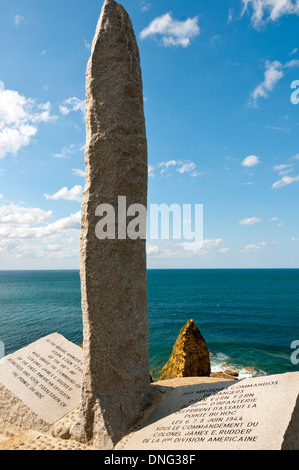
204, 414
18, 416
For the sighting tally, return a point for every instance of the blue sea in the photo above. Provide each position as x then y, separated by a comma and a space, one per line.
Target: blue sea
249, 318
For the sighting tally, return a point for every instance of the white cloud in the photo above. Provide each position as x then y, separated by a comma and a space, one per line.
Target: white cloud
12, 139
152, 250
203, 247
275, 219
166, 165
224, 250
151, 171
78, 172
13, 214
264, 11
18, 19
68, 150
272, 75
73, 222
285, 181
183, 167
173, 32
294, 51
145, 6
18, 222
72, 104
230, 16
19, 120
74, 194
24, 250
283, 169
87, 45
195, 174
251, 161
187, 167
292, 63
252, 247
26, 233
250, 221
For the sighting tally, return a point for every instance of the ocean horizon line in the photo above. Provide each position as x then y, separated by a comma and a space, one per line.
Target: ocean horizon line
155, 269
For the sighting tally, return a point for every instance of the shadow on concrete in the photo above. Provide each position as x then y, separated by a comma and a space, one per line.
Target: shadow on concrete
291, 437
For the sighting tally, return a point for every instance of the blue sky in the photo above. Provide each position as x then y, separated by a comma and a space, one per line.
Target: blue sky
222, 129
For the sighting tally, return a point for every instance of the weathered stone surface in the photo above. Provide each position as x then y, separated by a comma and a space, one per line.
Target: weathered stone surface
40, 383
190, 356
116, 382
251, 414
31, 440
62, 428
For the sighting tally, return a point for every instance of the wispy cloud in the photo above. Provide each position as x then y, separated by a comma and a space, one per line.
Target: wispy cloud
274, 72
18, 19
78, 172
151, 171
68, 150
285, 181
264, 11
230, 16
276, 220
72, 104
87, 45
187, 167
180, 166
284, 170
172, 32
144, 5
74, 194
203, 247
152, 250
250, 221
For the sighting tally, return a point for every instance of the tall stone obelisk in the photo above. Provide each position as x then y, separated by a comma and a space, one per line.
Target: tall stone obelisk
116, 381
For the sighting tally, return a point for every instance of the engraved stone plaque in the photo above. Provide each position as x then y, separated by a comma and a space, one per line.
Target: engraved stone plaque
46, 376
